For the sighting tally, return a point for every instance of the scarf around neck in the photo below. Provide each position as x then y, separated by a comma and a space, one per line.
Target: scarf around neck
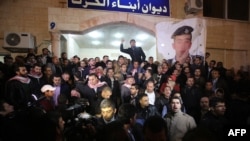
25, 80
35, 75
99, 84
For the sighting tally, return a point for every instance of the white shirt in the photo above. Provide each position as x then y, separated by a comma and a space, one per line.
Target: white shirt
151, 97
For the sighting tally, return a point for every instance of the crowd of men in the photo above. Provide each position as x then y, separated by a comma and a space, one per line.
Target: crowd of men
123, 99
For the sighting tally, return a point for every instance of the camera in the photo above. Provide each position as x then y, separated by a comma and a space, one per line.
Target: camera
76, 127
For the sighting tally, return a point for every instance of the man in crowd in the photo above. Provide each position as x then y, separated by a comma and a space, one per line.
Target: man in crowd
215, 119
136, 53
18, 88
108, 115
178, 123
36, 77
145, 110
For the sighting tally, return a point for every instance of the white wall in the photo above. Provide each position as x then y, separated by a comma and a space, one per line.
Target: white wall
72, 47
151, 52
112, 53
92, 53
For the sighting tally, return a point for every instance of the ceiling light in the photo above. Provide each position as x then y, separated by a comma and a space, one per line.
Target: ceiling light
70, 35
162, 44
95, 34
96, 42
118, 35
142, 36
139, 44
116, 43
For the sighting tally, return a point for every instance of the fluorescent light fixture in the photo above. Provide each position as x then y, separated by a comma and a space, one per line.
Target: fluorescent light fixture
142, 36
118, 35
70, 35
139, 44
116, 43
96, 42
95, 34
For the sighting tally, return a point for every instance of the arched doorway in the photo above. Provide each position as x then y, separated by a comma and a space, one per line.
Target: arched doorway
105, 40
85, 20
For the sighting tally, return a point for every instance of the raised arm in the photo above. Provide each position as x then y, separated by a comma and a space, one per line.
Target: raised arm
121, 47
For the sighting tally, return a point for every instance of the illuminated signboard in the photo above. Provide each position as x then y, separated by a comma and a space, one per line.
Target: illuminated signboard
152, 7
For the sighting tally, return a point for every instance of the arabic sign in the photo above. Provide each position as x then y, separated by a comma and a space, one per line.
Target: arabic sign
153, 7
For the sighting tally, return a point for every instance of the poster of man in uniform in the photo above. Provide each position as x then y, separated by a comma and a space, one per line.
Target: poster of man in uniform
177, 41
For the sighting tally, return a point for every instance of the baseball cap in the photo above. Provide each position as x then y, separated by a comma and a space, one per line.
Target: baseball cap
47, 88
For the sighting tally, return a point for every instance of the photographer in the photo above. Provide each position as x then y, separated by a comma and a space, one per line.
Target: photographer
76, 118
87, 127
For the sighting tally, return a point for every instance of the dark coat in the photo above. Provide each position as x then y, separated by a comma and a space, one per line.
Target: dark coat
116, 90
191, 100
136, 54
18, 94
215, 124
128, 99
91, 95
36, 85
65, 89
153, 66
160, 102
144, 113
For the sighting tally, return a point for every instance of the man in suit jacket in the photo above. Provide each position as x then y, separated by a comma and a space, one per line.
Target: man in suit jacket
133, 98
46, 56
136, 53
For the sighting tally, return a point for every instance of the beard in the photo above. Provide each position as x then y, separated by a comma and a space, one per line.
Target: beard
24, 75
38, 73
